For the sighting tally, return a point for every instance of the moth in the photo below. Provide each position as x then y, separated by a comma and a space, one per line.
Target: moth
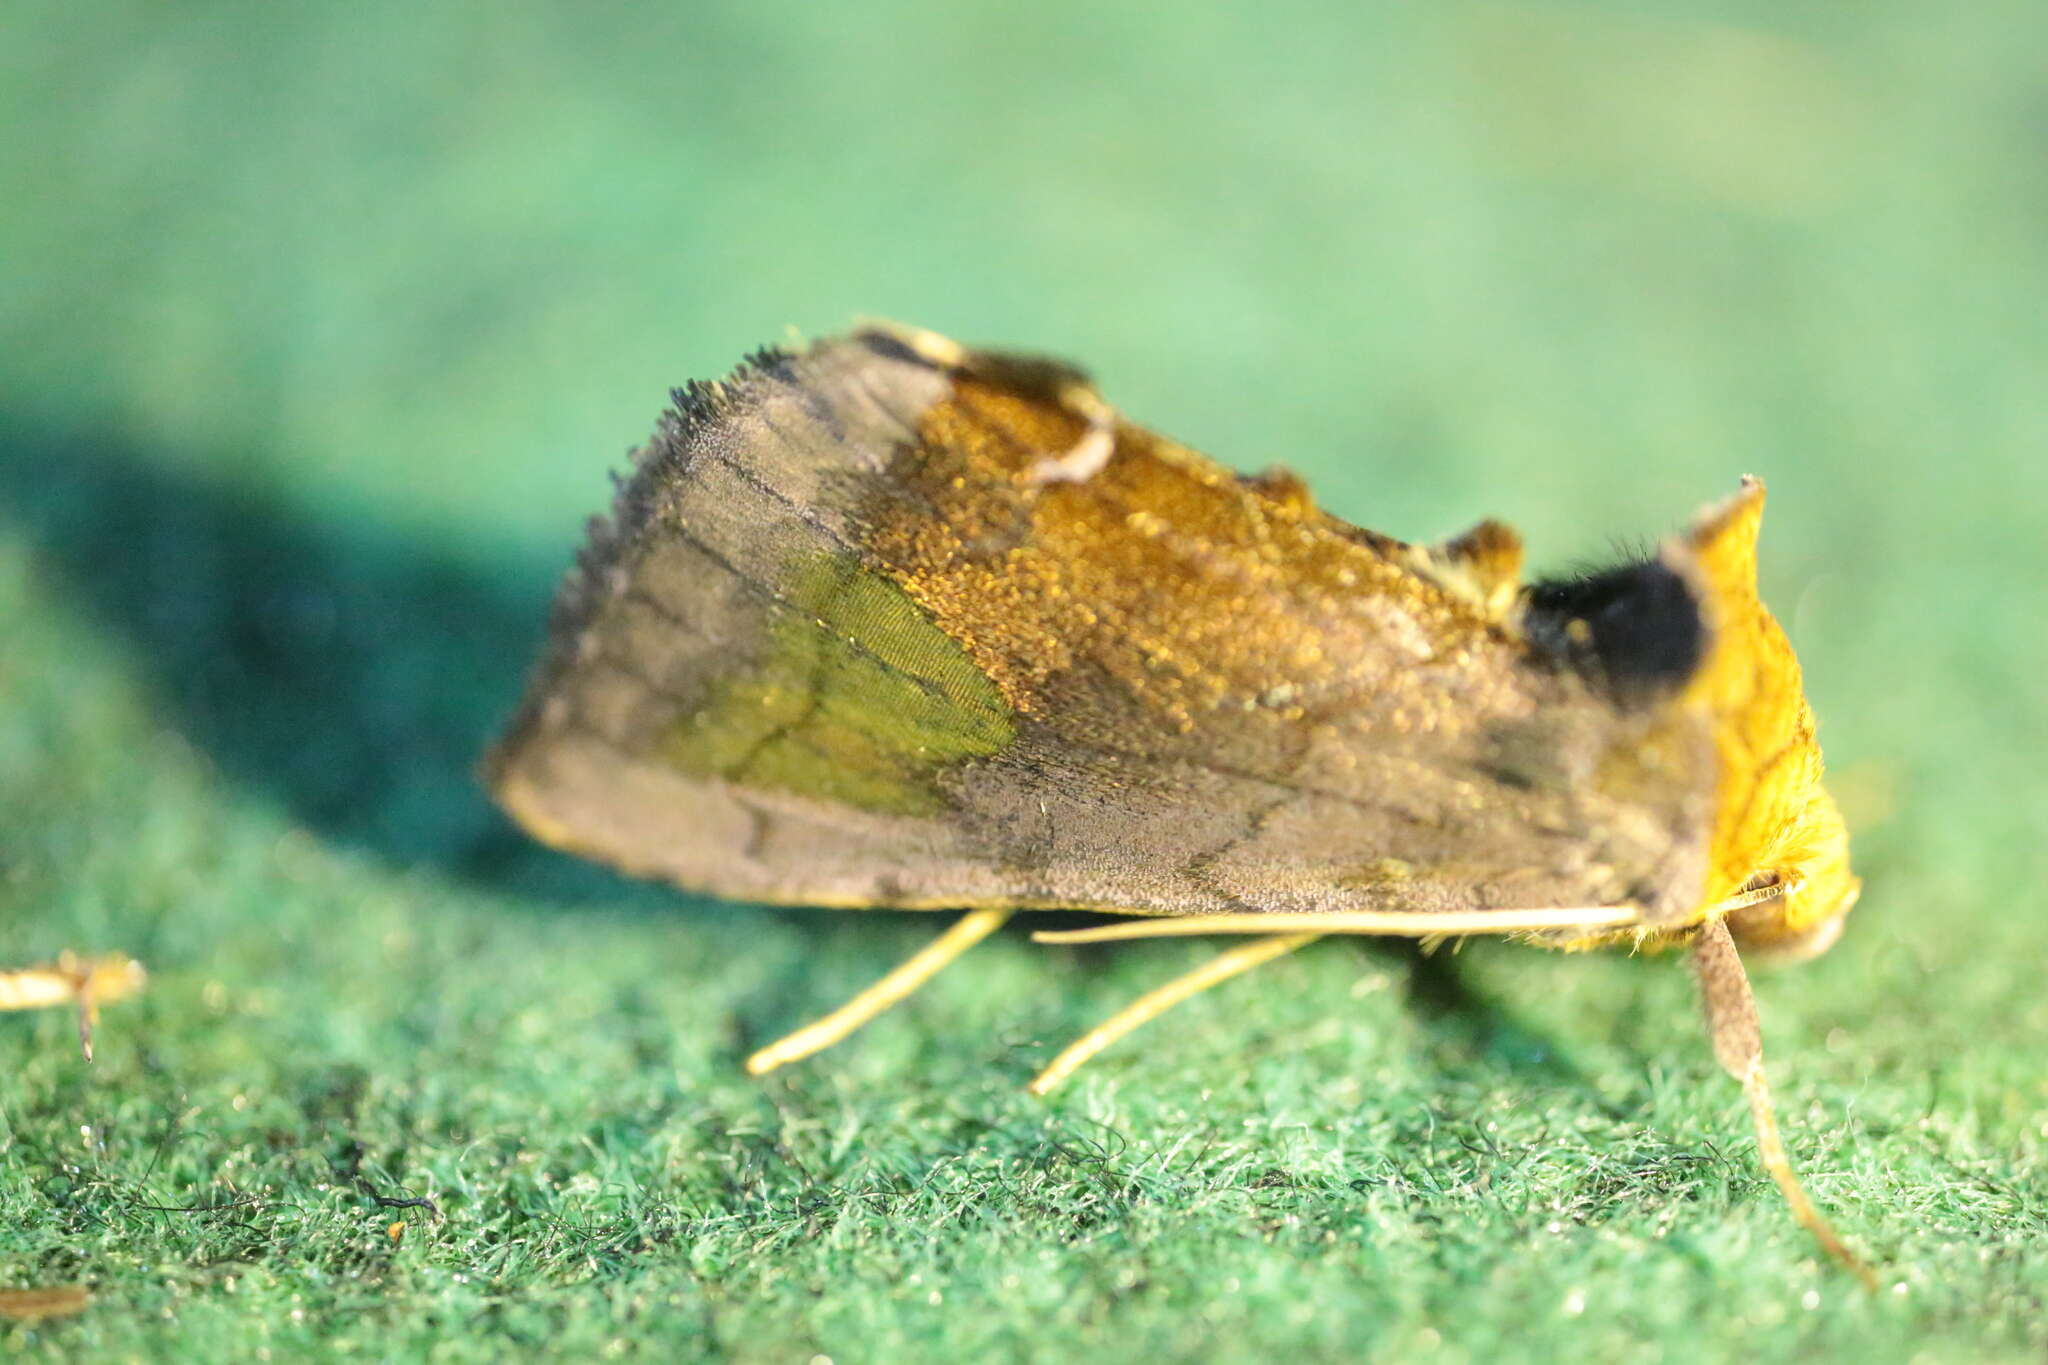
892, 622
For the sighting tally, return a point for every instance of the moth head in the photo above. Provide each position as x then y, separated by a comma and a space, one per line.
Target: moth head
1800, 914
1779, 856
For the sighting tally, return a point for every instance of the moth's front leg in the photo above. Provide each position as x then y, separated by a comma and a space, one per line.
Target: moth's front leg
1737, 1036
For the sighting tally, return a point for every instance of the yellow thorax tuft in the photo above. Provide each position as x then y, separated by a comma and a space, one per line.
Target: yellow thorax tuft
1773, 818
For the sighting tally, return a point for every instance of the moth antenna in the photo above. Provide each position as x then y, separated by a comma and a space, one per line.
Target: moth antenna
1158, 1001
892, 989
1738, 1045
1387, 923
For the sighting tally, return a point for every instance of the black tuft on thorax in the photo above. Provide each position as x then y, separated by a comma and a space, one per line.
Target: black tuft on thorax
1634, 630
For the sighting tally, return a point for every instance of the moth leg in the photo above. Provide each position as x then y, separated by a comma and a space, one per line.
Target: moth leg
1156, 1002
915, 970
1738, 1046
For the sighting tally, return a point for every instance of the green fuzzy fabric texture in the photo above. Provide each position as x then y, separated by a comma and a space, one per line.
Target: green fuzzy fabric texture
320, 328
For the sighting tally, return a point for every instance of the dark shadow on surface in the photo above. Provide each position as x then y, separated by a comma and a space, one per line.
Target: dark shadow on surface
351, 677
1473, 1020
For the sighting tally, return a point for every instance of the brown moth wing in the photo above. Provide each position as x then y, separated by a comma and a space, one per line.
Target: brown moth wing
852, 637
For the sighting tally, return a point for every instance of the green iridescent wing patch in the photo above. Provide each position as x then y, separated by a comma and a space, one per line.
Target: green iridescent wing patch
857, 697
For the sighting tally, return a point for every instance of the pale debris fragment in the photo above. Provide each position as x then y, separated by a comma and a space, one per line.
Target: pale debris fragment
33, 1305
71, 979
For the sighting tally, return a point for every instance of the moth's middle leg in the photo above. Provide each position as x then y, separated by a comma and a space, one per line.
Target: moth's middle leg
1158, 1001
906, 977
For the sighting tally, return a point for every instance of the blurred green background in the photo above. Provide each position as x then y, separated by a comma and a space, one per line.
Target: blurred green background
320, 327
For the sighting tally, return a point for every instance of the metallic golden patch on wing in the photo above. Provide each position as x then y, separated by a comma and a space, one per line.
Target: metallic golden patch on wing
857, 698
1197, 591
